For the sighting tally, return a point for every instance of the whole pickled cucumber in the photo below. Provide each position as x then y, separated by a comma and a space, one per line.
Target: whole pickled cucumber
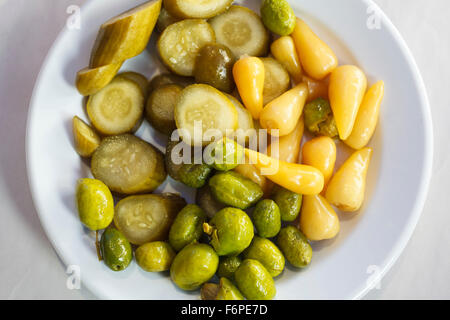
295, 246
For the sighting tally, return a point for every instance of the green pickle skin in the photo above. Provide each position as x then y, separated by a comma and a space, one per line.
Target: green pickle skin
254, 281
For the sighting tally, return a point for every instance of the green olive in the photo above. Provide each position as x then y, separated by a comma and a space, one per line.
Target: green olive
226, 154
187, 227
266, 252
235, 190
278, 16
155, 256
214, 66
193, 266
95, 204
267, 218
205, 200
254, 281
289, 203
225, 290
231, 231
228, 266
295, 246
195, 175
115, 249
319, 118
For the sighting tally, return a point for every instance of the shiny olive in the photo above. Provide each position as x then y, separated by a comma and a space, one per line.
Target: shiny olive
231, 231
193, 266
319, 118
225, 290
214, 66
235, 190
187, 227
266, 252
254, 281
289, 203
205, 200
115, 249
155, 256
295, 247
267, 219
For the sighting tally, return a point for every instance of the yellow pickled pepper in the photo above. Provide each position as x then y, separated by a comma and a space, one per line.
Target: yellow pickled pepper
347, 187
248, 73
320, 153
283, 49
346, 91
367, 118
316, 57
288, 146
283, 113
318, 220
297, 178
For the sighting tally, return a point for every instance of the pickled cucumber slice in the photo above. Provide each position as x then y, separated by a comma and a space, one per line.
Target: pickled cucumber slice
276, 80
245, 120
117, 108
128, 165
207, 106
165, 19
179, 44
241, 30
126, 35
85, 139
160, 107
138, 78
147, 218
90, 81
196, 8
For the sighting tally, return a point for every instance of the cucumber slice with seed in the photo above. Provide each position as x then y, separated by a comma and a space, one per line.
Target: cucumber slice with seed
196, 8
180, 42
117, 108
241, 30
128, 165
208, 106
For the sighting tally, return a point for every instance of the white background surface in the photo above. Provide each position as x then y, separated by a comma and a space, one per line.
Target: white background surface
30, 269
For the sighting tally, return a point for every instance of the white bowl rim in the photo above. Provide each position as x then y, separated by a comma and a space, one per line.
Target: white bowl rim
419, 202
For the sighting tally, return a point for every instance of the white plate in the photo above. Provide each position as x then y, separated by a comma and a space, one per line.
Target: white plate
345, 268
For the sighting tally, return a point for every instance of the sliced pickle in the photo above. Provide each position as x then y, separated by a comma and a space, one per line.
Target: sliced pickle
160, 107
126, 35
117, 108
276, 80
241, 30
138, 78
90, 81
196, 8
245, 120
207, 106
147, 218
128, 165
169, 78
85, 139
180, 42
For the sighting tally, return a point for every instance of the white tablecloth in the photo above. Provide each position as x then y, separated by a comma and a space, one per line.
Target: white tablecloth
29, 267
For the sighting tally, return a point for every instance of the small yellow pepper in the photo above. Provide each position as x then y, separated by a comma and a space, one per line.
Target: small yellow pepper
316, 57
348, 85
297, 178
318, 220
347, 187
288, 146
248, 73
283, 113
320, 153
316, 89
284, 51
367, 118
